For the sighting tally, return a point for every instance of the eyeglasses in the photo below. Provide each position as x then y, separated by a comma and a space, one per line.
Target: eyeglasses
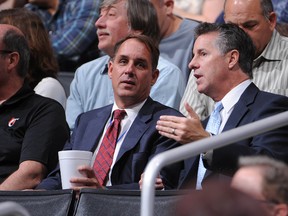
6, 51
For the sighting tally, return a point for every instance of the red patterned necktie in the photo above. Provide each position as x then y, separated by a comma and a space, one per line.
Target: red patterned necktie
105, 154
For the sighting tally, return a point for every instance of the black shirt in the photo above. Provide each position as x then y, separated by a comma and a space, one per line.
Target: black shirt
32, 127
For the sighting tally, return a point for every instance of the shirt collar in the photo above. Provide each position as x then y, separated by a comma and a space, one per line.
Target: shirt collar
131, 111
271, 51
232, 97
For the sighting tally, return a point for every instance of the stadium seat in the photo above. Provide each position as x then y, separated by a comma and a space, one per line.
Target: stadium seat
54, 203
124, 202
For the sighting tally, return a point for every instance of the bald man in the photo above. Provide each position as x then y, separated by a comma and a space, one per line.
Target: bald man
32, 128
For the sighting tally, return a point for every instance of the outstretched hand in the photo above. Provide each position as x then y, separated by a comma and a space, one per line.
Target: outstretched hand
182, 129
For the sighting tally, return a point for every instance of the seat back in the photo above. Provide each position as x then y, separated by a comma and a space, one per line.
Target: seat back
65, 78
54, 203
124, 203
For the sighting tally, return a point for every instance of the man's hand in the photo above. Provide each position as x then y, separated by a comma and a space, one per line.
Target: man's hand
158, 183
182, 129
88, 180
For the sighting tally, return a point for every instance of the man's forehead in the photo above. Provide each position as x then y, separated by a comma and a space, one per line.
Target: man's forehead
133, 47
111, 4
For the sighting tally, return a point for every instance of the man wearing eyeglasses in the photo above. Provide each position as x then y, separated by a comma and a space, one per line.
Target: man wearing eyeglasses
32, 128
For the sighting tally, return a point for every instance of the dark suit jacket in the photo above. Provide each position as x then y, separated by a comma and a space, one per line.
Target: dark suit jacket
141, 143
253, 105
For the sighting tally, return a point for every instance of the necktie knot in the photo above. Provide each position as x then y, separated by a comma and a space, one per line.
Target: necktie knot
215, 120
119, 114
218, 107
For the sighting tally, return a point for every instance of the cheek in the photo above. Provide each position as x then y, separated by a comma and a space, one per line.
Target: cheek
145, 81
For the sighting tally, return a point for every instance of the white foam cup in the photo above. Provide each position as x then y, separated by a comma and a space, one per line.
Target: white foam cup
69, 161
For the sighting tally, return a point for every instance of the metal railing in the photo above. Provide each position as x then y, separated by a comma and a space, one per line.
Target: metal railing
192, 149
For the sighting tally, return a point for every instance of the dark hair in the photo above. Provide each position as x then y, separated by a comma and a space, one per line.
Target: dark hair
142, 16
231, 37
149, 43
267, 8
43, 62
16, 42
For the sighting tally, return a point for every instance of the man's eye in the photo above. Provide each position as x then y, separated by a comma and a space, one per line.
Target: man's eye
122, 61
249, 26
141, 65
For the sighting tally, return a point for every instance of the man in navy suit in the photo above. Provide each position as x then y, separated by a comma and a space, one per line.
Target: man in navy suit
222, 66
132, 71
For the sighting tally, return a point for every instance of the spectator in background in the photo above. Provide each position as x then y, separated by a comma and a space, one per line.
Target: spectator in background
177, 36
219, 200
201, 10
265, 180
132, 70
32, 128
91, 87
70, 24
43, 67
270, 65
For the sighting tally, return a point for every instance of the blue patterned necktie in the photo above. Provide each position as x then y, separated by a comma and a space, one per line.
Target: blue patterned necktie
212, 127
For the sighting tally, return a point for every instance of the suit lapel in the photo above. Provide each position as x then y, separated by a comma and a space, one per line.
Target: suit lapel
240, 110
138, 128
241, 107
95, 129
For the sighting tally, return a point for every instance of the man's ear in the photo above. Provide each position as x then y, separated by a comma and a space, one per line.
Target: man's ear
233, 58
13, 60
169, 4
155, 76
110, 69
281, 209
272, 20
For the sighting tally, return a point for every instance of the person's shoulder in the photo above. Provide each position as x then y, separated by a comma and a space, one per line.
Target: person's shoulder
93, 67
272, 96
161, 108
39, 102
279, 41
50, 82
166, 65
98, 62
190, 23
94, 113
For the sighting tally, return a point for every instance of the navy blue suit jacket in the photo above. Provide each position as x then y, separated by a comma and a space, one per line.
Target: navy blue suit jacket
141, 143
253, 105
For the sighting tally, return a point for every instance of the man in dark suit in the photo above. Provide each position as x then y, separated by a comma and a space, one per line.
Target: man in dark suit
222, 65
132, 71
